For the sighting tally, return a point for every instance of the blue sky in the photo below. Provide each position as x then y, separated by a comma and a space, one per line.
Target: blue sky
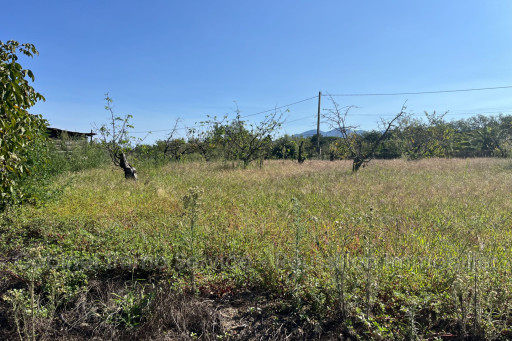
160, 60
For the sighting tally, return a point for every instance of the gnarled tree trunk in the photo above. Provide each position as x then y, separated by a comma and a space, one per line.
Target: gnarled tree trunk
358, 162
129, 171
301, 158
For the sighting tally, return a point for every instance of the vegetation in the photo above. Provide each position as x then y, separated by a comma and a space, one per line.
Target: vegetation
403, 250
22, 135
251, 143
406, 136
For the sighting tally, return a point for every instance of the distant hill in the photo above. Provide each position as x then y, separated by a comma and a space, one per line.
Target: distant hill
331, 133
308, 133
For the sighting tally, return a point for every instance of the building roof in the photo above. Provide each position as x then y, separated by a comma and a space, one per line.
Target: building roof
55, 133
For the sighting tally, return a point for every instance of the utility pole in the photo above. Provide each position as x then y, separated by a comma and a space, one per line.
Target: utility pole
318, 125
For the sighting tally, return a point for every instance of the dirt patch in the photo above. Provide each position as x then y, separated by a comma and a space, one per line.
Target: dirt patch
169, 316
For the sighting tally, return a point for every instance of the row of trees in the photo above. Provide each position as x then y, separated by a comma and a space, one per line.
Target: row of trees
215, 139
432, 136
477, 136
404, 136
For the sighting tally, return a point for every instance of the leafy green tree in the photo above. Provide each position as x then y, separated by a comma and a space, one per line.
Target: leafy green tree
424, 139
325, 145
482, 136
19, 130
492, 134
176, 148
285, 148
250, 142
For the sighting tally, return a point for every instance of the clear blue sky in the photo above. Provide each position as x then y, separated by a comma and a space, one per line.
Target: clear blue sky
160, 60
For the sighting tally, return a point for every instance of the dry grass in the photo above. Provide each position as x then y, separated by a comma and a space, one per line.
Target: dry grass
427, 243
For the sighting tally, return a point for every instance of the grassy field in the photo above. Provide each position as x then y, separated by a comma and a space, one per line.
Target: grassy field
400, 250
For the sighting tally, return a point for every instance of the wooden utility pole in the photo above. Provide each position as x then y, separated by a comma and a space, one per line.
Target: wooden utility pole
318, 125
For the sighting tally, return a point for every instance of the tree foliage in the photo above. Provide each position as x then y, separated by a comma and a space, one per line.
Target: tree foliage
207, 138
19, 130
285, 148
490, 135
423, 139
250, 142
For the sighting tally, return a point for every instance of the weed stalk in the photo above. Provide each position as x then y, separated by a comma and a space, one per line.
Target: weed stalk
192, 203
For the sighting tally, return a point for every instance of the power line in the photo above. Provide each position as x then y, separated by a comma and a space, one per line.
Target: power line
479, 113
449, 113
346, 95
258, 113
152, 131
419, 92
163, 130
489, 109
198, 126
298, 119
281, 107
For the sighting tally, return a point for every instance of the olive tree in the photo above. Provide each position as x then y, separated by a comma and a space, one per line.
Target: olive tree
19, 130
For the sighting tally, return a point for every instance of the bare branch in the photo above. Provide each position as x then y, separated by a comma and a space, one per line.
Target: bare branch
389, 126
171, 135
337, 119
361, 155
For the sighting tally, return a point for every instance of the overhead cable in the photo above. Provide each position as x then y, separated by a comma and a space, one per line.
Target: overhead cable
258, 113
281, 107
418, 92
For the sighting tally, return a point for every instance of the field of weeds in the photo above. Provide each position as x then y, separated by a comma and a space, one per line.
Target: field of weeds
400, 250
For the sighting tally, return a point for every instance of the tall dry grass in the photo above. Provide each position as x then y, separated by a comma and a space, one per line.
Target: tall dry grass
409, 249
